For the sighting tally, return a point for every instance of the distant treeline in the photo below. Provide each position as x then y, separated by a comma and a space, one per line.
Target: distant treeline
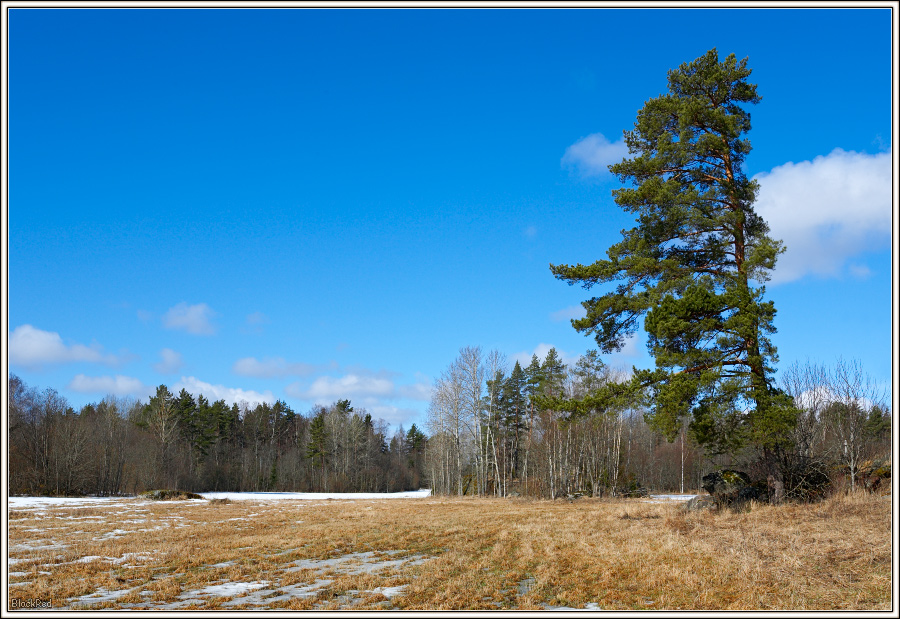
124, 446
546, 430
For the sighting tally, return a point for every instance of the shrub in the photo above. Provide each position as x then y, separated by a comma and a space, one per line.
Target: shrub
169, 495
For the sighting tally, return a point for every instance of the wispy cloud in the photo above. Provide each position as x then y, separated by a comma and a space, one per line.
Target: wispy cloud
231, 395
257, 318
275, 367
110, 385
33, 347
171, 362
254, 323
195, 319
859, 271
568, 313
592, 156
827, 211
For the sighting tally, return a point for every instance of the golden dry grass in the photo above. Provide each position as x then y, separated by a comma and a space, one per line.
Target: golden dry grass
450, 554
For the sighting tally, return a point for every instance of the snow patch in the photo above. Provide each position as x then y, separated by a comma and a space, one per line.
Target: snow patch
99, 596
357, 563
314, 496
229, 589
390, 592
32, 502
667, 498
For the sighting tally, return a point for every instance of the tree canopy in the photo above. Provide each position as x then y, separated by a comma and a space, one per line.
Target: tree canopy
694, 264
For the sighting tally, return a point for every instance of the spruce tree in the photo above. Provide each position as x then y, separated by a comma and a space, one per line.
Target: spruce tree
317, 447
533, 379
514, 414
694, 264
553, 375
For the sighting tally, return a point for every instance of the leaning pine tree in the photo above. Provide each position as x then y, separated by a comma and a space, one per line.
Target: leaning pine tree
694, 265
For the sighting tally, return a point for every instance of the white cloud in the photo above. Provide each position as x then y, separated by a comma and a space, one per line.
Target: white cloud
231, 395
568, 313
368, 388
328, 388
191, 318
416, 391
171, 362
591, 156
33, 347
827, 211
815, 399
630, 347
622, 362
114, 385
275, 367
819, 398
394, 415
541, 350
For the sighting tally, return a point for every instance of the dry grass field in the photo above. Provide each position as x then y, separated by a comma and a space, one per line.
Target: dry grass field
444, 553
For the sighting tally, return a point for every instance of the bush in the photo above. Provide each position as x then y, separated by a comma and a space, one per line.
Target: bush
169, 495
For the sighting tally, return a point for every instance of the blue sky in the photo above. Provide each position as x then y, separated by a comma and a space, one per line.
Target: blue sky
315, 204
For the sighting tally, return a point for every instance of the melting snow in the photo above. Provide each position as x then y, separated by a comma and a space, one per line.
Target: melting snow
228, 589
314, 496
390, 592
665, 498
99, 596
356, 563
26, 502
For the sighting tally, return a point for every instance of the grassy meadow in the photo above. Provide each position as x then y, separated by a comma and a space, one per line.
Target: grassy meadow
451, 554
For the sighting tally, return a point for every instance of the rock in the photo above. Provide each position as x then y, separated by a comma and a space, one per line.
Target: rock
730, 487
699, 502
725, 482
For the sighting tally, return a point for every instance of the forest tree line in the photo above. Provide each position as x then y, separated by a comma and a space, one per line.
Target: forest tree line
125, 446
553, 430
492, 430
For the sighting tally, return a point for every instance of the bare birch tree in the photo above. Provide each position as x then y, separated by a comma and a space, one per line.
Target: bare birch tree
855, 395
